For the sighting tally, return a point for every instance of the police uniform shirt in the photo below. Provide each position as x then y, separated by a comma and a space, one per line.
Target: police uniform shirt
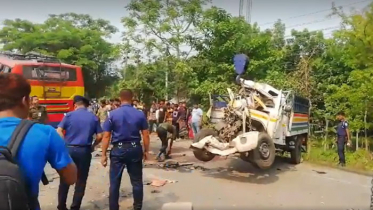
125, 123
341, 128
80, 126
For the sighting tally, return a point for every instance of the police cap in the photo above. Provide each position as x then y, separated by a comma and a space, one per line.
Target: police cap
81, 99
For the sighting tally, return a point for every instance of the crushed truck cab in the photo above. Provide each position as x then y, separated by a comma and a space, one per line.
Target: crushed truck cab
257, 121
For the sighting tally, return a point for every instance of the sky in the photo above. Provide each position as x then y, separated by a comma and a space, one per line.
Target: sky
296, 14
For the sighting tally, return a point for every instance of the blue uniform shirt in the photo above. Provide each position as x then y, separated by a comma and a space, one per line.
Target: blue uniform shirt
341, 128
80, 126
125, 123
42, 144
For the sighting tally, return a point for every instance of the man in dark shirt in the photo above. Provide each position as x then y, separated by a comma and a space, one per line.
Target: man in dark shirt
80, 126
162, 132
124, 125
343, 137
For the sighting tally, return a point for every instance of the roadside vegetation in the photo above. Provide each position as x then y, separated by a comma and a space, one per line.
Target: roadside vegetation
190, 47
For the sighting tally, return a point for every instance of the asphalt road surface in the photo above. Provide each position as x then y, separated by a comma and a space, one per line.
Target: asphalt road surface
226, 183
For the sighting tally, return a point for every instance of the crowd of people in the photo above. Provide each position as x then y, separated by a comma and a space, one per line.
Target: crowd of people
27, 144
186, 121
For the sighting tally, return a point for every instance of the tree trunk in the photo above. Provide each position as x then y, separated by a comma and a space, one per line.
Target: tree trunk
365, 130
326, 146
357, 140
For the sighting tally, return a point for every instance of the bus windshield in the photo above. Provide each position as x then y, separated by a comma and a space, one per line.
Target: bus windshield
49, 73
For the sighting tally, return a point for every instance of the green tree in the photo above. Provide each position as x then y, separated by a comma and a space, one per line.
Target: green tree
74, 39
161, 31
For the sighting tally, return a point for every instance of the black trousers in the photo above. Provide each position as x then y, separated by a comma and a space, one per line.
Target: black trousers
162, 134
127, 155
177, 126
82, 158
341, 141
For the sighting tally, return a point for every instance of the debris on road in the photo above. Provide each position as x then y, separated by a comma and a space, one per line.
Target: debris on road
319, 172
171, 164
178, 206
155, 191
161, 182
158, 183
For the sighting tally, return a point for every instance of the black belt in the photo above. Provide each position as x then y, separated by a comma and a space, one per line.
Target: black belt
121, 143
80, 146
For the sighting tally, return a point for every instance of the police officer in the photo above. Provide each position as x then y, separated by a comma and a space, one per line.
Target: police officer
343, 137
37, 112
124, 125
80, 126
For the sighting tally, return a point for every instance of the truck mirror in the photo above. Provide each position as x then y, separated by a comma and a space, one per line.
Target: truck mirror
287, 108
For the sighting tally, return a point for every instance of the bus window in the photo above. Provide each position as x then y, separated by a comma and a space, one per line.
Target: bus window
49, 73
5, 69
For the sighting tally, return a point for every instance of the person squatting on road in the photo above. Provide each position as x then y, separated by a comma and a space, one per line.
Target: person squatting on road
162, 132
41, 144
124, 125
343, 137
80, 126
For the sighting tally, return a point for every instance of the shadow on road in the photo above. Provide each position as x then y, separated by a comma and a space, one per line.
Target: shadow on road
240, 171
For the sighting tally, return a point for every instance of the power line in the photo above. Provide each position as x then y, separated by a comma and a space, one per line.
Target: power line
316, 12
321, 29
309, 23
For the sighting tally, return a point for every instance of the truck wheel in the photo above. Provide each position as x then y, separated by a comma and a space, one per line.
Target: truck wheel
202, 154
263, 156
296, 153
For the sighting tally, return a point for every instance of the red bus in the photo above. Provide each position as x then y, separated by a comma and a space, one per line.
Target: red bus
53, 82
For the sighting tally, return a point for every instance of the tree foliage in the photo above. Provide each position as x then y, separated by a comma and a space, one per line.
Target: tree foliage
334, 72
73, 38
184, 49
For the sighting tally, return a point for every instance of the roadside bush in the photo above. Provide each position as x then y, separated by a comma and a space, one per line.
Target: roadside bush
360, 160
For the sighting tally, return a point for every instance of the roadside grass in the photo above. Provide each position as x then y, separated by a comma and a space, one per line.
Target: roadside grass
356, 161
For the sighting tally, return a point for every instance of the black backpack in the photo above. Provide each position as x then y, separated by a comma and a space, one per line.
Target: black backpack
14, 194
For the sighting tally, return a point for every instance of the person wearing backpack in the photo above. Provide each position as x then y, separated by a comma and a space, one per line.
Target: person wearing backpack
25, 148
80, 126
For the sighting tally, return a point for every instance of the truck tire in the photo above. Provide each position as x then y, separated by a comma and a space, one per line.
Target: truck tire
263, 156
296, 153
202, 154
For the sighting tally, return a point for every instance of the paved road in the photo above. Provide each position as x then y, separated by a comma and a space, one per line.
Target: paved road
230, 184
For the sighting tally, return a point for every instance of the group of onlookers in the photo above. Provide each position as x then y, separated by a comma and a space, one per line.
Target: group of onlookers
178, 115
187, 121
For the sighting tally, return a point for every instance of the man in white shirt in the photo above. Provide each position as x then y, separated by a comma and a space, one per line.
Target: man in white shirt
197, 115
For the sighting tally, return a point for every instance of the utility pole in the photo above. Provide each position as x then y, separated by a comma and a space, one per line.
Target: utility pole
240, 8
166, 75
248, 10
245, 6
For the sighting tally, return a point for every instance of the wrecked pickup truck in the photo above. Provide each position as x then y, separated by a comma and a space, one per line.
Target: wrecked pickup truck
259, 121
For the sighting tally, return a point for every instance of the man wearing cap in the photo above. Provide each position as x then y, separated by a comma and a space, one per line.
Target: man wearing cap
124, 125
80, 126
